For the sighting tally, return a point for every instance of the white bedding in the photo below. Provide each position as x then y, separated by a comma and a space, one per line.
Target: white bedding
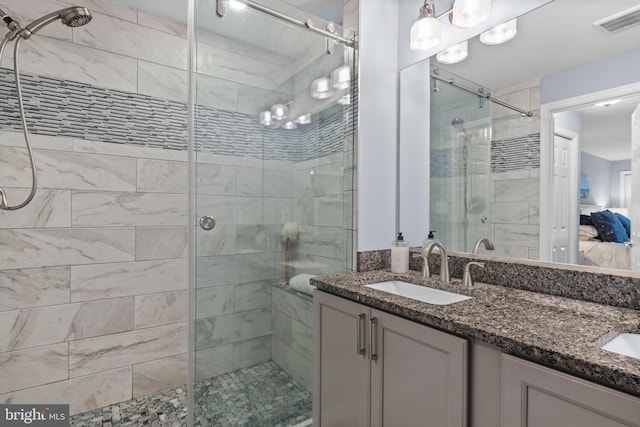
605, 254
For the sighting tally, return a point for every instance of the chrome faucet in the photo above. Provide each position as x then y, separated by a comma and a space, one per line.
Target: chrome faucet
488, 245
444, 261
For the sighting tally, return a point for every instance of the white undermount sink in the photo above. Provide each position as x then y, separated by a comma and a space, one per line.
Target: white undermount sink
420, 293
626, 344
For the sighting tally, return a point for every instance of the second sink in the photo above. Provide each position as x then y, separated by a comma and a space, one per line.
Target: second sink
417, 292
627, 344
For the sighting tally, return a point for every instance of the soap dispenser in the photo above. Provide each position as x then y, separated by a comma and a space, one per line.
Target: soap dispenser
430, 238
400, 255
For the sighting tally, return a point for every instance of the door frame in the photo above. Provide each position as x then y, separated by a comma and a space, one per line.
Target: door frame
547, 126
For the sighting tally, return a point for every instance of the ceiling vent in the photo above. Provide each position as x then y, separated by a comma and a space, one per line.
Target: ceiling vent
620, 21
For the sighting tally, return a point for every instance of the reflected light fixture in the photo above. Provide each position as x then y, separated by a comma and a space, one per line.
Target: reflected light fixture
454, 54
279, 111
426, 32
237, 5
345, 100
265, 118
320, 88
341, 77
469, 13
290, 125
304, 119
500, 34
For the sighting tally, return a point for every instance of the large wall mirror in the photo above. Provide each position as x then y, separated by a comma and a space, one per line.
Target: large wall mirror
523, 176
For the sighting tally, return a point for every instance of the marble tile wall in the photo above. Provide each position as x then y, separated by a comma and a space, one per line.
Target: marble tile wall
93, 273
92, 310
515, 178
292, 333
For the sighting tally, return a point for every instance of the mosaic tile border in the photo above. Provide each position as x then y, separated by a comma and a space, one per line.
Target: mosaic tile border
506, 155
78, 110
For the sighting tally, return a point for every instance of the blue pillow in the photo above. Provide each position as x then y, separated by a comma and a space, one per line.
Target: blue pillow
626, 223
609, 227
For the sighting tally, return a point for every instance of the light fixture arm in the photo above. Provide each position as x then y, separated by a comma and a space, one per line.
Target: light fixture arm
428, 10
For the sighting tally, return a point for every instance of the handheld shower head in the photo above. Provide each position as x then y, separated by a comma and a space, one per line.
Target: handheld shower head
74, 16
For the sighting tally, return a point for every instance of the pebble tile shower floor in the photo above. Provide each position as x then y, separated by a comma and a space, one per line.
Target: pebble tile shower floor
259, 396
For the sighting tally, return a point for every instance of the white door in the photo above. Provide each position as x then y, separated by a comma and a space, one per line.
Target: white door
634, 210
563, 248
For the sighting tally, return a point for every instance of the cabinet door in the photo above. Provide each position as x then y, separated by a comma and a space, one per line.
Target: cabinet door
418, 375
341, 364
535, 396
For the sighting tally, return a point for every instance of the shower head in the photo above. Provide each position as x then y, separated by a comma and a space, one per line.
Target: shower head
74, 16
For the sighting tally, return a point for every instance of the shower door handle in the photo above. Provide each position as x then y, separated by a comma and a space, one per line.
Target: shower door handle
207, 222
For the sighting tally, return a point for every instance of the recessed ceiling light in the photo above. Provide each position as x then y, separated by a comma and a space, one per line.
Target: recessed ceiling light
608, 103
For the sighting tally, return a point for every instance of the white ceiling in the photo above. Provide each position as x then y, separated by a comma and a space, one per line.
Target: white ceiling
606, 131
552, 38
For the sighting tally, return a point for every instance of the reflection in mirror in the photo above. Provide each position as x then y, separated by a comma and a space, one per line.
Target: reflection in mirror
492, 169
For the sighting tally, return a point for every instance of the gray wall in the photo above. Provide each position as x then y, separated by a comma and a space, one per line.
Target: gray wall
599, 172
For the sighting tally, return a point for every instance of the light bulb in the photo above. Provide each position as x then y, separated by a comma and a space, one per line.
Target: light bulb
304, 119
320, 88
426, 32
237, 5
341, 77
469, 13
500, 34
279, 111
454, 54
265, 118
345, 100
289, 125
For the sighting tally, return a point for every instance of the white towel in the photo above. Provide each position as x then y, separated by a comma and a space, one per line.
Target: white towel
301, 283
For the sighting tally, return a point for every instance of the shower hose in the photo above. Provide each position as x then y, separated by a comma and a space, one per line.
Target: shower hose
3, 196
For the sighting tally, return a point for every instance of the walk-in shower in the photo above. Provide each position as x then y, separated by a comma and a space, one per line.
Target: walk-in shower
72, 17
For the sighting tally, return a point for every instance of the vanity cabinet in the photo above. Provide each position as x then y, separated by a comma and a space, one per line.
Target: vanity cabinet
535, 396
376, 369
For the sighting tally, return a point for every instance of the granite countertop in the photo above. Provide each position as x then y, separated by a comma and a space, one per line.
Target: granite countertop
562, 333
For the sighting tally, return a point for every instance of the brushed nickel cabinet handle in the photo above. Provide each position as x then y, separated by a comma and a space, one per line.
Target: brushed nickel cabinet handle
373, 338
360, 345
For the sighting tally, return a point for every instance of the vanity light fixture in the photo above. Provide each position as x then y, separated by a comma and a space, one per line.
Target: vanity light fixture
469, 13
341, 77
290, 125
320, 88
426, 32
304, 119
237, 5
265, 118
279, 111
608, 103
345, 100
500, 34
454, 54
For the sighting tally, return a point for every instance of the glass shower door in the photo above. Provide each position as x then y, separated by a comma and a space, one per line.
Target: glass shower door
460, 163
273, 135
